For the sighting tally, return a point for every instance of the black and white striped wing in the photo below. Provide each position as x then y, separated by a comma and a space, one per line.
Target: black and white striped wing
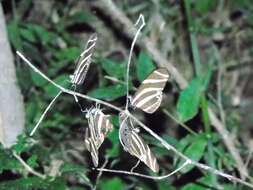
99, 126
148, 97
83, 62
134, 144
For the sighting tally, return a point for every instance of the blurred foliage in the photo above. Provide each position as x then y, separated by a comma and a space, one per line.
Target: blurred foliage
53, 33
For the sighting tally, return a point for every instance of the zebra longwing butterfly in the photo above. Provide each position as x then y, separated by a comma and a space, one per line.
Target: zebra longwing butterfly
148, 97
134, 144
83, 62
98, 127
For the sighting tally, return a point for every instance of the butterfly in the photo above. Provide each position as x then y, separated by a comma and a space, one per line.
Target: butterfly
83, 62
148, 96
98, 126
134, 144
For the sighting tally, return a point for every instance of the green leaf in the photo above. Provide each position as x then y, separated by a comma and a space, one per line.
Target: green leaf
68, 54
189, 100
27, 34
165, 185
144, 66
194, 150
21, 144
37, 79
204, 6
34, 183
7, 161
14, 35
113, 68
71, 168
42, 34
115, 120
114, 183
32, 161
203, 184
114, 138
109, 92
32, 108
51, 90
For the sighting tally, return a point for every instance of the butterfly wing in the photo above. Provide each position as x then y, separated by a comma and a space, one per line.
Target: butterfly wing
142, 151
134, 144
84, 61
148, 97
99, 125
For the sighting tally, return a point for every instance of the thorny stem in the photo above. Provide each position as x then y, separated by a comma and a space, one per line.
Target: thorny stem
27, 167
44, 113
140, 19
161, 140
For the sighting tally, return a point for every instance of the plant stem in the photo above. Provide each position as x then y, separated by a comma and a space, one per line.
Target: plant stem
193, 38
198, 70
179, 122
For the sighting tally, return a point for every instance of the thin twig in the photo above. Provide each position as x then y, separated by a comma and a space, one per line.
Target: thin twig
27, 167
161, 140
100, 174
44, 113
143, 175
179, 122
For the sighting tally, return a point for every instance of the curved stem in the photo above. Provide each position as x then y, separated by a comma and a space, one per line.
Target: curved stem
27, 167
143, 175
140, 19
